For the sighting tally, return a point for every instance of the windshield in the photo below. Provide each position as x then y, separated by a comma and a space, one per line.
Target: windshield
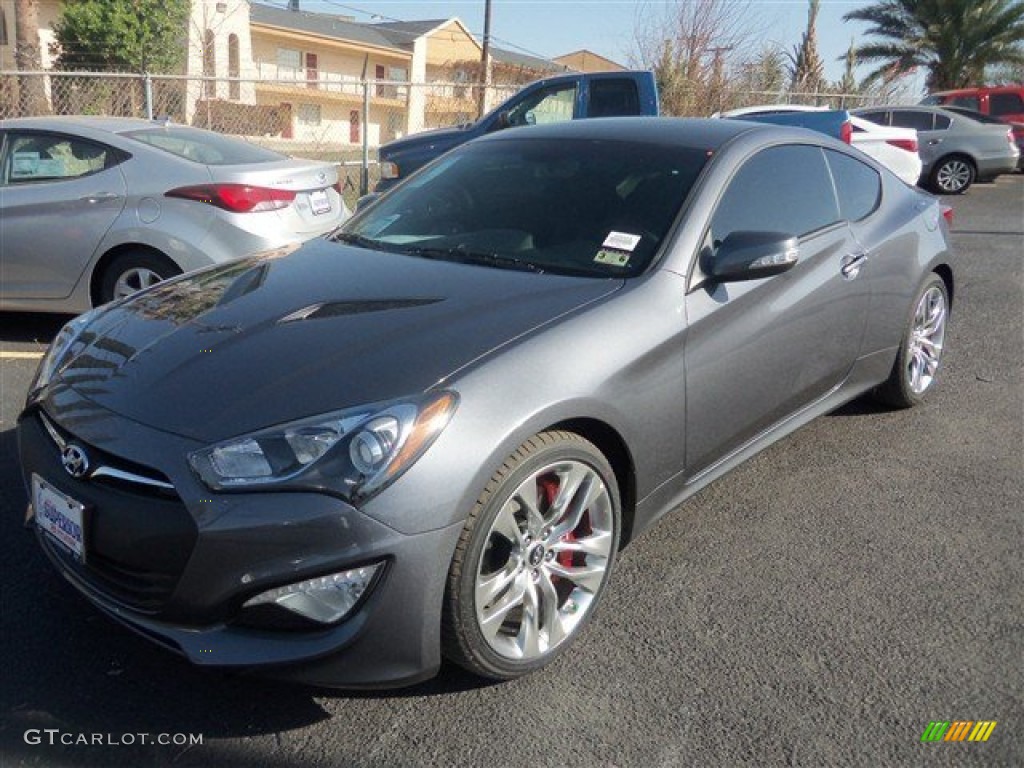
570, 206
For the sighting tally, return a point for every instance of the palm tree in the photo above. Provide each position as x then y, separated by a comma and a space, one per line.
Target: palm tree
954, 40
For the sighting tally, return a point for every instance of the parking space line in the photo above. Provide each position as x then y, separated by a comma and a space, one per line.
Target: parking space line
5, 355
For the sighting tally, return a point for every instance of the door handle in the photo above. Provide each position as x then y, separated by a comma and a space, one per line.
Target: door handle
99, 197
852, 264
933, 142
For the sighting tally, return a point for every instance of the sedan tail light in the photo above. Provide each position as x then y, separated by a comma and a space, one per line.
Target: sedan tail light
1009, 137
237, 198
846, 132
947, 214
910, 145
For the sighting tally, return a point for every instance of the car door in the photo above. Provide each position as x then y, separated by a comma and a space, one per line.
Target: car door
757, 351
59, 195
929, 138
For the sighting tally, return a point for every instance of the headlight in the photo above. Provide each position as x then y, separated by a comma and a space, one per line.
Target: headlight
356, 452
62, 351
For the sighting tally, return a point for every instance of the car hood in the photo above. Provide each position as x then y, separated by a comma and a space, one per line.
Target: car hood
438, 139
266, 340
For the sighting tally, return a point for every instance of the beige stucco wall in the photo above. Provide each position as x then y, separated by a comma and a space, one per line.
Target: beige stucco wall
49, 12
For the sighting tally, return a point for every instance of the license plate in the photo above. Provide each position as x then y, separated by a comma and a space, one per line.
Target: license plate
60, 516
319, 202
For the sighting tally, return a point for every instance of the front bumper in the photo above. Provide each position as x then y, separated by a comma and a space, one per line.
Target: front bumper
177, 565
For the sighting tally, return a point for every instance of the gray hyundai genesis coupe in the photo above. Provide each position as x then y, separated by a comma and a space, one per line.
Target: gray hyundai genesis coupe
429, 435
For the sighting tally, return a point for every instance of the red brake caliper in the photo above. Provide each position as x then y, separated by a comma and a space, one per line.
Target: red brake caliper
549, 487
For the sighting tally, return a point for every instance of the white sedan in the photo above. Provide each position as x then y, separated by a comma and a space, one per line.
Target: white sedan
895, 148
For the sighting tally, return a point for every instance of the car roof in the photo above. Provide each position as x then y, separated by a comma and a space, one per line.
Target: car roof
66, 122
1018, 87
686, 132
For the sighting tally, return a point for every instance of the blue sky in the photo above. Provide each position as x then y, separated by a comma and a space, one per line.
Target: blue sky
553, 27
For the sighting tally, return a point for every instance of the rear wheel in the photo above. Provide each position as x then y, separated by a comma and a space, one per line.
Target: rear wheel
953, 175
920, 355
533, 559
133, 271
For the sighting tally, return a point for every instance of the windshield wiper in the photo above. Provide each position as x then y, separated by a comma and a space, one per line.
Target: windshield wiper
464, 256
360, 240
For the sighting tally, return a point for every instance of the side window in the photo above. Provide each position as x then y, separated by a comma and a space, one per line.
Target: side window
784, 189
613, 96
919, 121
550, 105
1005, 104
967, 102
942, 122
879, 116
35, 157
858, 185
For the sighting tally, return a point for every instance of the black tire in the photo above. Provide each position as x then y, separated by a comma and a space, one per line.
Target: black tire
129, 265
952, 175
899, 390
534, 463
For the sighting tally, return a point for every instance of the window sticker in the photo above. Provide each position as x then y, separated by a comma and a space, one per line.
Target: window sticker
24, 165
621, 241
612, 258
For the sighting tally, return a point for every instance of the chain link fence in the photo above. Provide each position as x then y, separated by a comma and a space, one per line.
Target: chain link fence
329, 116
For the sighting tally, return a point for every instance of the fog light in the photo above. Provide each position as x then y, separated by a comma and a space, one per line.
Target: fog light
326, 599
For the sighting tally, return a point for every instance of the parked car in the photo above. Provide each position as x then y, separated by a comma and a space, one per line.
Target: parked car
895, 148
955, 150
571, 96
94, 208
432, 432
1017, 128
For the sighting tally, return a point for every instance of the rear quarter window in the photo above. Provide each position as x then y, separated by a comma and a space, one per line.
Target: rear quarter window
858, 185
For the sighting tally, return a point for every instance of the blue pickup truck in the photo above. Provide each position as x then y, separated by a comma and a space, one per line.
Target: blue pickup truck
562, 97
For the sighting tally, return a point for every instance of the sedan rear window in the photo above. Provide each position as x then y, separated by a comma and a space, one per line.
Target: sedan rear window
204, 147
586, 207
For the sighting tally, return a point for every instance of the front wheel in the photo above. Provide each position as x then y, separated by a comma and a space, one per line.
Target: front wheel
533, 558
920, 355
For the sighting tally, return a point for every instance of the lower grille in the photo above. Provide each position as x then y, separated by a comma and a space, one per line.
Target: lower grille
138, 540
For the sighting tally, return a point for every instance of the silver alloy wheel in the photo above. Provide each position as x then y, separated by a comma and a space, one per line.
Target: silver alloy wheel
135, 279
953, 176
545, 560
926, 337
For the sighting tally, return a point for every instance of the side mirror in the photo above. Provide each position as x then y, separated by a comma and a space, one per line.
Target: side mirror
751, 256
367, 200
502, 122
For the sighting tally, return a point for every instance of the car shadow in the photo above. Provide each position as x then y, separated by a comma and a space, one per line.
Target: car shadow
30, 326
862, 406
69, 667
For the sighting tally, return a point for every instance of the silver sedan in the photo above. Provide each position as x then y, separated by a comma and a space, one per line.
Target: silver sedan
95, 208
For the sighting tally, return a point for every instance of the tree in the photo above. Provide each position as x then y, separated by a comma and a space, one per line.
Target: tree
848, 83
27, 58
954, 40
693, 46
807, 70
123, 35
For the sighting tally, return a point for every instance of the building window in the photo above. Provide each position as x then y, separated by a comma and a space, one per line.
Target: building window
289, 62
209, 63
234, 68
308, 114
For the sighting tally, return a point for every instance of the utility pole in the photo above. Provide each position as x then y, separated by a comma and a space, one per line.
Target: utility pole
485, 58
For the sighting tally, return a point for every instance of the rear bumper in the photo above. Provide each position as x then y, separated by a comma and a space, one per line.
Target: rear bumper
217, 551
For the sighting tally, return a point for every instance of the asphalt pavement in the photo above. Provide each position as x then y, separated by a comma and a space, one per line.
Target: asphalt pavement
820, 606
